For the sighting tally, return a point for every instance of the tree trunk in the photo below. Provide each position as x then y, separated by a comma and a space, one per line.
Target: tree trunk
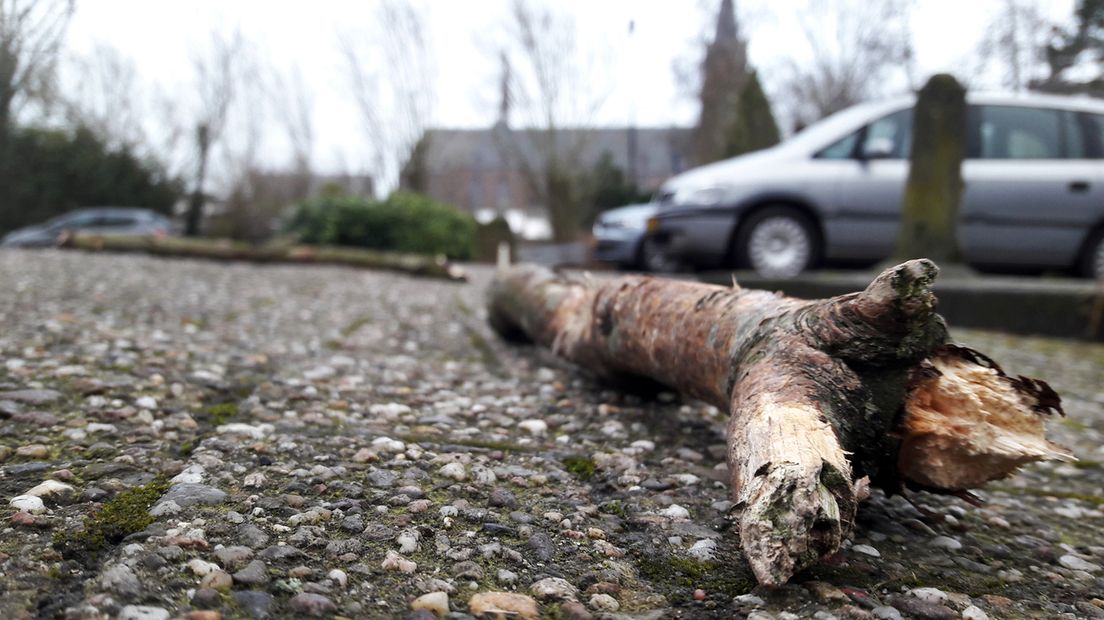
825, 396
561, 202
194, 217
934, 190
226, 250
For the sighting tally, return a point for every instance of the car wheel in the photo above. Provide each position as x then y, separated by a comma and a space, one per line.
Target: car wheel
777, 242
1092, 263
654, 258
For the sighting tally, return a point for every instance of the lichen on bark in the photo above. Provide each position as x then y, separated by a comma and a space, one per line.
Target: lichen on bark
816, 390
933, 192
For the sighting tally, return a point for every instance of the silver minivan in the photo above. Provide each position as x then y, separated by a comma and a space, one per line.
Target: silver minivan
1033, 199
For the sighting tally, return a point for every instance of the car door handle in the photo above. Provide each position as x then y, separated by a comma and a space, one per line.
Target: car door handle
1079, 187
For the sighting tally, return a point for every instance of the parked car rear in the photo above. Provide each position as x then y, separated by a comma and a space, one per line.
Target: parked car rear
1033, 199
619, 236
102, 220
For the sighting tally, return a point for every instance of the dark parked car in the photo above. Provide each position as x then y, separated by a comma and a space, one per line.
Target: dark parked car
105, 220
619, 237
1033, 199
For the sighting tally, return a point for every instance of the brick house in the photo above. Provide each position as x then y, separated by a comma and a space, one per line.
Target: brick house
483, 171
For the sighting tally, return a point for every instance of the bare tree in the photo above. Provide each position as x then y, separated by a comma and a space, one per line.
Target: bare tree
217, 79
104, 93
1014, 44
553, 85
855, 47
294, 112
1077, 49
31, 32
390, 75
254, 198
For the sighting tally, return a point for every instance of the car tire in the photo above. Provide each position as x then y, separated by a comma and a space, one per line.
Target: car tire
1092, 259
652, 258
777, 241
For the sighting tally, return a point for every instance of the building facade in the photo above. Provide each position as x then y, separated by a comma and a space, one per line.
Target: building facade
490, 172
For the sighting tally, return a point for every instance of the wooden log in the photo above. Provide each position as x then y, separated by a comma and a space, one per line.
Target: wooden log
824, 396
226, 250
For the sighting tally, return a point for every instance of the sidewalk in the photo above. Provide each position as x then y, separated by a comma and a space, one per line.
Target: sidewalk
1063, 308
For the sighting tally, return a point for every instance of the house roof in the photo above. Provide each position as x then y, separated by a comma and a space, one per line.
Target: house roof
660, 152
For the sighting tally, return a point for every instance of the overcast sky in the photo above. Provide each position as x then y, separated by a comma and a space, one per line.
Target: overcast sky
161, 36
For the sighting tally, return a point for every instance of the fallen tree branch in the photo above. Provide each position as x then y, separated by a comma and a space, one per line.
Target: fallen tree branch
225, 250
822, 394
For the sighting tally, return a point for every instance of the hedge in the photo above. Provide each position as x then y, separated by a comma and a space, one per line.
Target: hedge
405, 222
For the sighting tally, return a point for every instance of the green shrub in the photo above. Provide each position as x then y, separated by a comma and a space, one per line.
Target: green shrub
47, 172
405, 222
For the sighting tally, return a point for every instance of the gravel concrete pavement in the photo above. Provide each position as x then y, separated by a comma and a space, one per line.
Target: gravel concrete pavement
185, 439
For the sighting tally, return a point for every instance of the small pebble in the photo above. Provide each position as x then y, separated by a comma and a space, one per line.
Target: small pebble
866, 550
945, 542
28, 503
436, 602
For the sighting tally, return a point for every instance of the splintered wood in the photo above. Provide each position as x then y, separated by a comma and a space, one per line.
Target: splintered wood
824, 396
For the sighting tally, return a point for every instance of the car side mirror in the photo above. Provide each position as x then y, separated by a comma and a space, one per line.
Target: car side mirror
878, 148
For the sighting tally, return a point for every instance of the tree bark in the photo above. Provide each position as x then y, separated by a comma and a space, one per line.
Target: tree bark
225, 250
825, 396
193, 219
933, 193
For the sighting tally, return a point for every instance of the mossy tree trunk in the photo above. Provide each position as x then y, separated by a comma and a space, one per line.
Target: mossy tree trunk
562, 203
825, 396
933, 193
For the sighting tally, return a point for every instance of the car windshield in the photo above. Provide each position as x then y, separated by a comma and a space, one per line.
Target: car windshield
824, 132
68, 219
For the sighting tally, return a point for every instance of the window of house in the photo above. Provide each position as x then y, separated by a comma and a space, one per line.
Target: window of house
503, 192
475, 196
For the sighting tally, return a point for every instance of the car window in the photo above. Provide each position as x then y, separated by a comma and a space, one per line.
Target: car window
895, 129
1009, 132
114, 221
843, 149
73, 221
1093, 132
1073, 136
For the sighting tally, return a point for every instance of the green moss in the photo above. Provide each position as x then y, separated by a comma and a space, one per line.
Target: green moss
124, 515
355, 326
553, 612
221, 413
463, 307
613, 507
1073, 424
186, 448
682, 576
480, 344
582, 467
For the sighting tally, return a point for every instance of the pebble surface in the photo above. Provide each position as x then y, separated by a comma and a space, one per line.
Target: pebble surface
327, 442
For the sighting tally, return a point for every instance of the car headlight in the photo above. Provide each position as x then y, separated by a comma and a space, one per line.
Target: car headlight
702, 197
